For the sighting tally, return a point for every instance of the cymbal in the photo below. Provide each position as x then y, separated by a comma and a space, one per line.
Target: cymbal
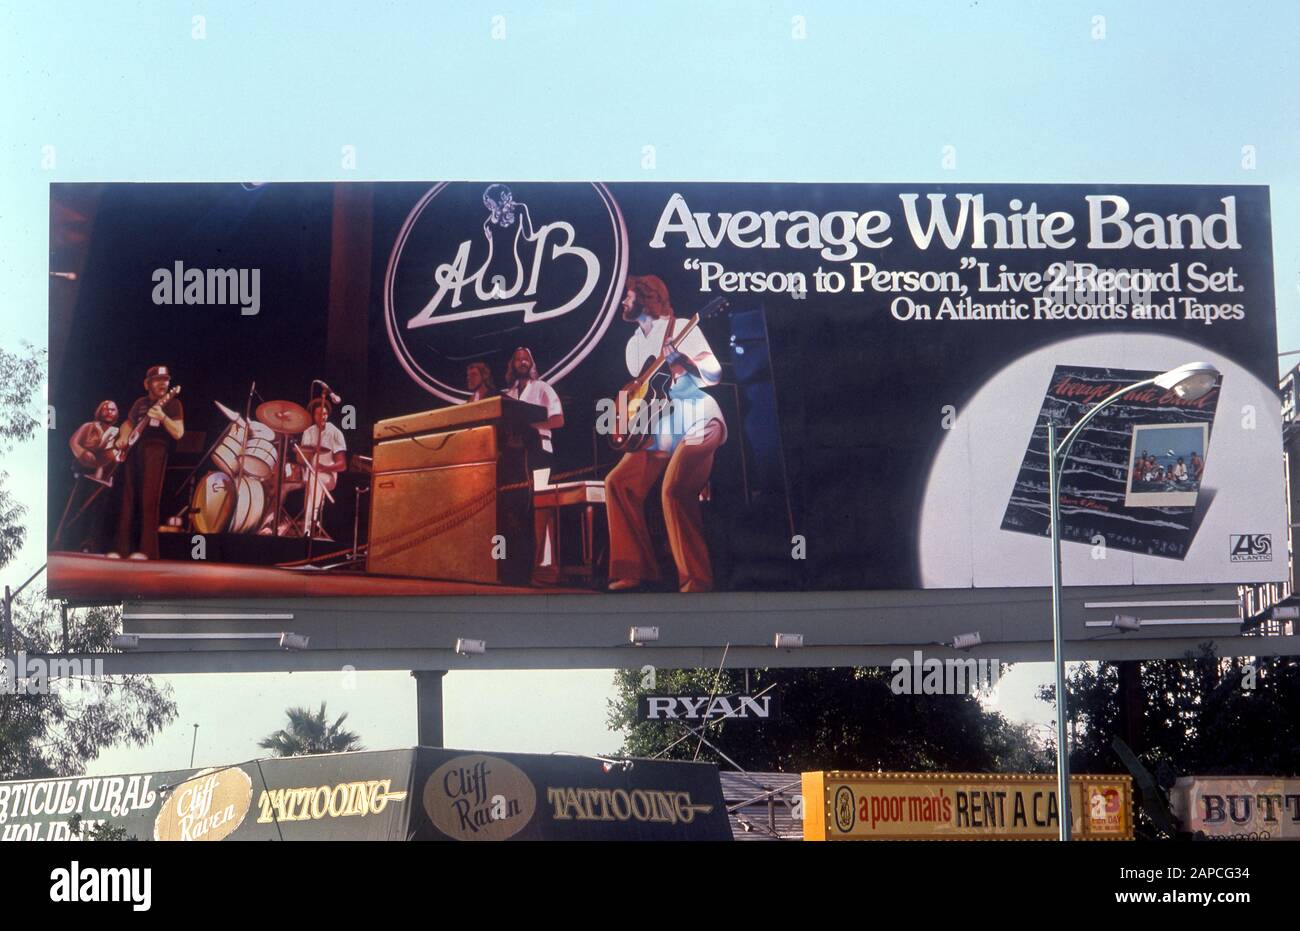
231, 413
284, 416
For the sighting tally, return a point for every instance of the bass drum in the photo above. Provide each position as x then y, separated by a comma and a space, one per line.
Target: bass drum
250, 502
212, 503
259, 452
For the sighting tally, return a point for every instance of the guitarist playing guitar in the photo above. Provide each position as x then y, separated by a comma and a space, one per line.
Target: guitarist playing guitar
679, 446
161, 422
92, 447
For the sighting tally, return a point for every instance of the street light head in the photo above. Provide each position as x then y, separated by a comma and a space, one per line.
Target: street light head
1191, 381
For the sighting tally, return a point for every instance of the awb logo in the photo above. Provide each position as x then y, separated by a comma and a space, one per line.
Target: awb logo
478, 269
1250, 547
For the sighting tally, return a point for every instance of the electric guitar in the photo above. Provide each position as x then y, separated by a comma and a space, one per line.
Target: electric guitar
652, 385
103, 453
115, 457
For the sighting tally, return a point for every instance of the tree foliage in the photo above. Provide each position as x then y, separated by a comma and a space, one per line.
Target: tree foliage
21, 376
1201, 715
311, 732
841, 718
56, 732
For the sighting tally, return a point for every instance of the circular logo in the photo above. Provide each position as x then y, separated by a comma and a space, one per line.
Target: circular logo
480, 269
478, 797
209, 805
845, 809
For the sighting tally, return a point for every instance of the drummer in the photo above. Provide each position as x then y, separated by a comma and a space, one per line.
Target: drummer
323, 446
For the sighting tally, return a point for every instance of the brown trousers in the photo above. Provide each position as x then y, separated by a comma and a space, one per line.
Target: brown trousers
142, 498
685, 473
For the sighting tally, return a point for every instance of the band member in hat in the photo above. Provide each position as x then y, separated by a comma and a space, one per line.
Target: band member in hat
146, 464
90, 445
681, 450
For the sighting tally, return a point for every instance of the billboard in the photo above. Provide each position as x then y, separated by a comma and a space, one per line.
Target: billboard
360, 389
1238, 807
412, 794
962, 806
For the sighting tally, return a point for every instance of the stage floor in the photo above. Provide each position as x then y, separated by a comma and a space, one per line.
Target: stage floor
96, 578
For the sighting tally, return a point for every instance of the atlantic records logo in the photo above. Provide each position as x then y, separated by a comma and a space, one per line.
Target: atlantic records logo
845, 809
479, 269
210, 805
479, 797
1250, 547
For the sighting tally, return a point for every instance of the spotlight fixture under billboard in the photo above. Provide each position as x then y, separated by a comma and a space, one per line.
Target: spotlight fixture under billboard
640, 635
1126, 622
125, 642
466, 647
789, 641
966, 641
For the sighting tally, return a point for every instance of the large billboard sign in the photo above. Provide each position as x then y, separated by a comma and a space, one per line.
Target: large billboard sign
962, 806
495, 387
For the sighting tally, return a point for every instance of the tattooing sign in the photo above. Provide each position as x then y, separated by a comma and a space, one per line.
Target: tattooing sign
414, 794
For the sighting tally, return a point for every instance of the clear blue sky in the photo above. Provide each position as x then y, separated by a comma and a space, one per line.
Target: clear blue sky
1024, 91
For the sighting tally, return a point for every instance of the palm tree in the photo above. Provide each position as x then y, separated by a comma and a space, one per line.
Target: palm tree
309, 732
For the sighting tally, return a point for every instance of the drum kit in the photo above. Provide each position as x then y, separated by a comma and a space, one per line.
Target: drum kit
245, 492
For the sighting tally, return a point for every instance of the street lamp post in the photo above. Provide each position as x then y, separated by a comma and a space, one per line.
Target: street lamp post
1190, 382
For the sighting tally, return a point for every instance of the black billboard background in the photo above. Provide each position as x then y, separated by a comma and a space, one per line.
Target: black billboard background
857, 394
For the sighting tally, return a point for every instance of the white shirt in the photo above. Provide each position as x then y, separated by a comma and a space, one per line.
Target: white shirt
333, 441
692, 406
540, 393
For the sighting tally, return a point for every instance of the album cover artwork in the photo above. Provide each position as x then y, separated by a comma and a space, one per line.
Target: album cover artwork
1166, 461
1133, 476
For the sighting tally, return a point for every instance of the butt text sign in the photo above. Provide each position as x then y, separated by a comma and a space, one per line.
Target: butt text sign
1239, 807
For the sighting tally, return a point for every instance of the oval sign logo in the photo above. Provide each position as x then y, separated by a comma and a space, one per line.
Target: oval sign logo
477, 797
207, 806
479, 268
845, 809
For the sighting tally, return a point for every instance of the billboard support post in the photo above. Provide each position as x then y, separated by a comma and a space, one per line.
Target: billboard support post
10, 597
428, 706
8, 623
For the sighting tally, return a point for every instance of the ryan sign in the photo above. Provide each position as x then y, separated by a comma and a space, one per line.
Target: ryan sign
961, 806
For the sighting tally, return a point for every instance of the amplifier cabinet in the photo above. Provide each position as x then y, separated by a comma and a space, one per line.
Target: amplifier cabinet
443, 504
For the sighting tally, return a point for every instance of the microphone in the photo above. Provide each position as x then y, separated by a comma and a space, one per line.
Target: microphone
333, 396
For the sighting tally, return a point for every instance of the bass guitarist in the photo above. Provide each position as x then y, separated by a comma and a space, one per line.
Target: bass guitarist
681, 448
91, 446
146, 463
